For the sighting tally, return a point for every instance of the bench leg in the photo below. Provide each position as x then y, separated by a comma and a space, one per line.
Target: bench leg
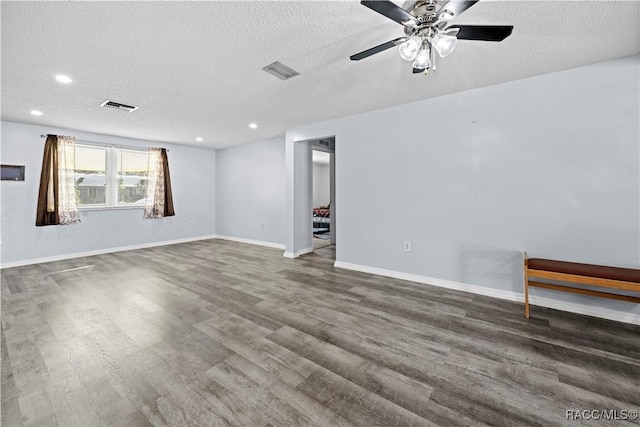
526, 298
526, 287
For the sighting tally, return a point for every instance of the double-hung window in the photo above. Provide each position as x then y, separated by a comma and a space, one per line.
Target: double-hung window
110, 177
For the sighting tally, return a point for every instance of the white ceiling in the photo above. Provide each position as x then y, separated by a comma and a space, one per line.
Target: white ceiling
194, 68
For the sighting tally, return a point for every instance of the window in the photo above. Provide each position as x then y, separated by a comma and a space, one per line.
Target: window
91, 176
110, 177
131, 169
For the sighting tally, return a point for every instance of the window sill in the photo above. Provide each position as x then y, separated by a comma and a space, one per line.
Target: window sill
108, 208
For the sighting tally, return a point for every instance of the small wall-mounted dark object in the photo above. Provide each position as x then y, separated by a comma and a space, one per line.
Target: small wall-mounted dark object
12, 173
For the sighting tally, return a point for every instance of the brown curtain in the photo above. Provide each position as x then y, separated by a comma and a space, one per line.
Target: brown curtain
47, 211
168, 195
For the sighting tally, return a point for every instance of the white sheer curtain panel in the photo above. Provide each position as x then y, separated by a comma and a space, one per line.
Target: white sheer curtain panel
67, 208
155, 199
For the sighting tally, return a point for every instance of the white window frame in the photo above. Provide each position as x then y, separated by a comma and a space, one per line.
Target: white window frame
111, 176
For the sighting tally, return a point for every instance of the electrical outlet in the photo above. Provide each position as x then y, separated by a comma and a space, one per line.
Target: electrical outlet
407, 245
262, 226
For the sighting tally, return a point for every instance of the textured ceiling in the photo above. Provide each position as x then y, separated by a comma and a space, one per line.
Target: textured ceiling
194, 68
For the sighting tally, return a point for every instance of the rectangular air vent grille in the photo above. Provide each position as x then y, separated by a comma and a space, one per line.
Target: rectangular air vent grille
118, 106
281, 71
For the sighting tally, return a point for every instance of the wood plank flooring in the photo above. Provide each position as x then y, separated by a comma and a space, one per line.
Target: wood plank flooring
221, 333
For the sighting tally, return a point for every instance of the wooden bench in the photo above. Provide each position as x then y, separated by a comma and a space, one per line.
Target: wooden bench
624, 279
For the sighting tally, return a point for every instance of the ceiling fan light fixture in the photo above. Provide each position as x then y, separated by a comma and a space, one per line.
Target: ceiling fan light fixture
423, 58
409, 49
444, 44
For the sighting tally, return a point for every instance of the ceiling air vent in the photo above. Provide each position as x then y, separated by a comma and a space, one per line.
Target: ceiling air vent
118, 106
280, 70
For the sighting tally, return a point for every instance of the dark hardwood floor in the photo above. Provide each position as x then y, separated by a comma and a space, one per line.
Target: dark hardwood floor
222, 333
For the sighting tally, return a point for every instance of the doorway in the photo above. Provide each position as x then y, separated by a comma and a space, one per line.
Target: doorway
321, 188
323, 198
299, 197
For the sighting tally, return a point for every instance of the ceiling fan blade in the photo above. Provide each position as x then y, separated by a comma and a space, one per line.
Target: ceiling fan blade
490, 33
454, 8
418, 70
377, 49
391, 11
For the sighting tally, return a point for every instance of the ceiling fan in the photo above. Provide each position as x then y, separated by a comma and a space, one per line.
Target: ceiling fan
427, 31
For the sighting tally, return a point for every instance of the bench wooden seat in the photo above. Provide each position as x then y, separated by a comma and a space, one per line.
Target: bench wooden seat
625, 279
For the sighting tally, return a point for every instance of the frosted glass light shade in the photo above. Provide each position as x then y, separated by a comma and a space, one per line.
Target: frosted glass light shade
444, 44
423, 59
409, 49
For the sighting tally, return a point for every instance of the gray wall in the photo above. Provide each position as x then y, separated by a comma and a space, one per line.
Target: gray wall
548, 164
321, 181
250, 190
192, 176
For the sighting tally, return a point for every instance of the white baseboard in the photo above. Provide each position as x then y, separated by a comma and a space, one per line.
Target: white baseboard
297, 254
588, 310
133, 247
102, 251
251, 242
449, 284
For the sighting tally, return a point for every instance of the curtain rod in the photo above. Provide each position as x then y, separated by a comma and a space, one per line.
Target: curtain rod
104, 144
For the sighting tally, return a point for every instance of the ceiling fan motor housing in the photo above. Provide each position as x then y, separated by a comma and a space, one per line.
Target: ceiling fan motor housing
425, 13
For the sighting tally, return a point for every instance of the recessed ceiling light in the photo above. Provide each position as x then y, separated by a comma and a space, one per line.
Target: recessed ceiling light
36, 112
253, 125
199, 139
63, 79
